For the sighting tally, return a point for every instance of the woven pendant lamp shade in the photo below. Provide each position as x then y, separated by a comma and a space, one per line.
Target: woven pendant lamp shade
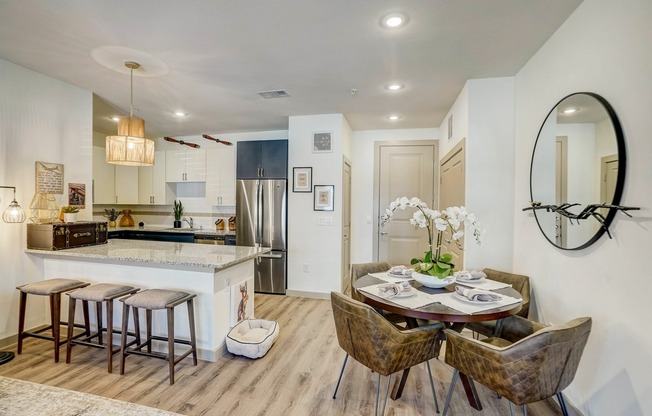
130, 147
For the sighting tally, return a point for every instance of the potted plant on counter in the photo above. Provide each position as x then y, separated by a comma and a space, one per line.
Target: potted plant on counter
111, 215
70, 213
178, 213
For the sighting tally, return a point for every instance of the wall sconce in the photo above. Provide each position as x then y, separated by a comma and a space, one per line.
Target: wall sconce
14, 213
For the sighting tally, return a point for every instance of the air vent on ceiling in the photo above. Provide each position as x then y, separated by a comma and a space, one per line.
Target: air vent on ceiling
274, 94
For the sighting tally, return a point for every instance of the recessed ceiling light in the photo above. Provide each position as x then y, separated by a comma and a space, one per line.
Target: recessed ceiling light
180, 114
394, 20
393, 117
569, 110
394, 87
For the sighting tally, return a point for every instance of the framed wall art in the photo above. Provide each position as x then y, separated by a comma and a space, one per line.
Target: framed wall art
302, 179
324, 198
49, 178
77, 195
322, 142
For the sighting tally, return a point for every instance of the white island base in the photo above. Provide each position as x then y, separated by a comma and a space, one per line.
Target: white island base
207, 271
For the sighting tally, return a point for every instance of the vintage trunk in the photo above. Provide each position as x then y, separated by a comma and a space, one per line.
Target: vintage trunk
68, 235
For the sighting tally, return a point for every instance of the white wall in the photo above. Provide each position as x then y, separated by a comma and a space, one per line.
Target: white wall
603, 47
310, 245
483, 113
41, 119
362, 184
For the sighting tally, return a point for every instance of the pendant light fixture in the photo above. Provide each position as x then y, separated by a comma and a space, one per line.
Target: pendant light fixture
14, 213
130, 147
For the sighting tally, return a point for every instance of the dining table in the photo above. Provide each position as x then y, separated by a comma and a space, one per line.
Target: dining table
434, 310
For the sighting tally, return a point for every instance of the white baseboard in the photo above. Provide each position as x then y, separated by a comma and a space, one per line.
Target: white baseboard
304, 294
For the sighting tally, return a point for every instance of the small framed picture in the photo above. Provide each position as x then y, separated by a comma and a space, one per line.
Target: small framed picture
324, 195
322, 142
77, 195
302, 180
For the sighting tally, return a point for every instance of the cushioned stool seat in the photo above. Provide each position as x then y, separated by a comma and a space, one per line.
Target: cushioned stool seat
252, 337
53, 288
98, 293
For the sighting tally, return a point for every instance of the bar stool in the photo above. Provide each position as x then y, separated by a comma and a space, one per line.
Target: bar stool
53, 288
155, 299
98, 293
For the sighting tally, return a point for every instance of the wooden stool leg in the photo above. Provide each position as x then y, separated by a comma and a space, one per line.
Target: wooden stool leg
87, 319
55, 311
109, 333
123, 341
71, 318
191, 321
136, 325
148, 329
171, 343
21, 321
98, 316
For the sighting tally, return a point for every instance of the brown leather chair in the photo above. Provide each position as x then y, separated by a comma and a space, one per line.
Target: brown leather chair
530, 362
377, 344
520, 283
363, 269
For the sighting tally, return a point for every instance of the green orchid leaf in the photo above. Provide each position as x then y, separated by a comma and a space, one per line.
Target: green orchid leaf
415, 261
428, 257
446, 258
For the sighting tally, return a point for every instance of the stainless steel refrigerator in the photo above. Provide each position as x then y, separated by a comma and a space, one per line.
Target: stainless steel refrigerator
261, 221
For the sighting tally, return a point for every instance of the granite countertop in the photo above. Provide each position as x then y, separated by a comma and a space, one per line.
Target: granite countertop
161, 252
161, 228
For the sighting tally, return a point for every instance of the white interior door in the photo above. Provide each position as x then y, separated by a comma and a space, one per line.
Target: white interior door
346, 226
404, 170
452, 193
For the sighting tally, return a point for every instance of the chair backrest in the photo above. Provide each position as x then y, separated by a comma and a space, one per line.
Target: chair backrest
362, 269
531, 369
373, 341
519, 282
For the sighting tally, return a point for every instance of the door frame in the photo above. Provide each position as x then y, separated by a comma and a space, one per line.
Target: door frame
435, 180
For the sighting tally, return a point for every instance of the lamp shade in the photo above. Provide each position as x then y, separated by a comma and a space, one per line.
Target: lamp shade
43, 208
14, 213
130, 147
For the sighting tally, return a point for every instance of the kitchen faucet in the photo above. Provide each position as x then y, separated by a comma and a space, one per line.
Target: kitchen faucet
188, 220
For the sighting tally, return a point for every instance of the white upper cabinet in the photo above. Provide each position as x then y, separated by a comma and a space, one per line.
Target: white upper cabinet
220, 175
152, 188
185, 165
126, 184
103, 178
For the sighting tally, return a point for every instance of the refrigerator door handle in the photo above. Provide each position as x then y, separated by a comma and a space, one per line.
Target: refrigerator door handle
259, 220
270, 256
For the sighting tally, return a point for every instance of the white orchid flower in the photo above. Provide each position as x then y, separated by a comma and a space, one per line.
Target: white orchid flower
441, 224
454, 222
457, 235
415, 202
392, 205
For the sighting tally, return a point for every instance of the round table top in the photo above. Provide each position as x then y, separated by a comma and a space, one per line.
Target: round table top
437, 311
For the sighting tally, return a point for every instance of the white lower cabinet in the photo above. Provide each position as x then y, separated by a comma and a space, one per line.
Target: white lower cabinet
220, 176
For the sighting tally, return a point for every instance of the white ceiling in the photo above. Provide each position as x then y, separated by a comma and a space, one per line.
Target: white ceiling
216, 56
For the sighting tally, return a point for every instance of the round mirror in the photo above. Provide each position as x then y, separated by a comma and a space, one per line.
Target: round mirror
578, 161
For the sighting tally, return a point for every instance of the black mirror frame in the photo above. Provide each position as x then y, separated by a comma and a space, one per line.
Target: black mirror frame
622, 166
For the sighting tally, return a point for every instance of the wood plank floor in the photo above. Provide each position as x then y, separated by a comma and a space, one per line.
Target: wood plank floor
297, 377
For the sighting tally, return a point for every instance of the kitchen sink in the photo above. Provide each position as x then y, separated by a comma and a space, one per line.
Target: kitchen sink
181, 229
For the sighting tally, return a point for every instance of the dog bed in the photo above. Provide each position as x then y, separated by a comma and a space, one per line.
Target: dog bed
252, 338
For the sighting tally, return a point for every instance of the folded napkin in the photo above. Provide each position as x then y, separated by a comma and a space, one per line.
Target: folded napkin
401, 270
470, 274
477, 295
389, 290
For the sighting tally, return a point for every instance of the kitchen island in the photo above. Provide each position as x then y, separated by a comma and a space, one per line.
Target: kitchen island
209, 271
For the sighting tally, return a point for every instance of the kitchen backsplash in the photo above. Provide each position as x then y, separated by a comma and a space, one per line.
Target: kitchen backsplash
162, 216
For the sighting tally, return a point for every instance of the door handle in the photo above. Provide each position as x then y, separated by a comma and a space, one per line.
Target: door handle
270, 256
383, 233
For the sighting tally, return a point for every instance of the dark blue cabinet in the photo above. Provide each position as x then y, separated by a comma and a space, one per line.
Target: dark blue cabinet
262, 159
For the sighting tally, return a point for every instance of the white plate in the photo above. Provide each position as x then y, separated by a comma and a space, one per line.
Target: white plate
405, 276
463, 280
476, 302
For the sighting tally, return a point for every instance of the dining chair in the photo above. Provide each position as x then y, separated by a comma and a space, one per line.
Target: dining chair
374, 342
362, 269
521, 284
530, 362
